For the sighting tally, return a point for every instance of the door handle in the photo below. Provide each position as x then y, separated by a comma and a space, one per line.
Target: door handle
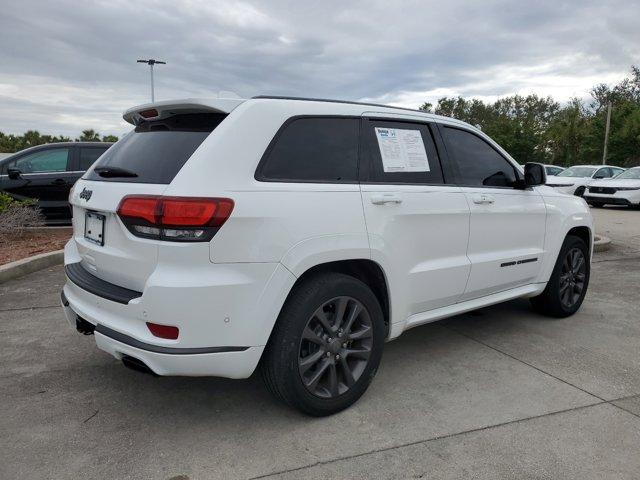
483, 199
385, 198
59, 181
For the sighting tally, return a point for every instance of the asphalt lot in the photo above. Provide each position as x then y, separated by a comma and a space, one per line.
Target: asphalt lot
496, 393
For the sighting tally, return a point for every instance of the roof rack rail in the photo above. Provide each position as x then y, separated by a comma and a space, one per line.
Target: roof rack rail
329, 100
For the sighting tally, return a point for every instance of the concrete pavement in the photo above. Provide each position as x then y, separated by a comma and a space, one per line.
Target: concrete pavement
496, 393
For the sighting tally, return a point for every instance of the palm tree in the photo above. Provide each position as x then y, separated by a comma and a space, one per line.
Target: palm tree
89, 136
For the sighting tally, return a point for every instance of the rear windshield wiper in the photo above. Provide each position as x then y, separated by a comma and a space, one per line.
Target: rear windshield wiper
112, 172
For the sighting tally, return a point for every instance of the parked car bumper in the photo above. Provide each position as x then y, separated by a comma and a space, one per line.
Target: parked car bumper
629, 197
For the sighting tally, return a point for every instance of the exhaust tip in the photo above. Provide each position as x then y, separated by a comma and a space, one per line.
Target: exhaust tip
137, 365
84, 327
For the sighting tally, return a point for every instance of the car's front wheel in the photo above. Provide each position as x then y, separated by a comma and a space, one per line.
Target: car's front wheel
568, 284
326, 346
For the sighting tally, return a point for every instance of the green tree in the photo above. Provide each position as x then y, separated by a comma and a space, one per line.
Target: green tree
89, 136
567, 134
10, 143
533, 128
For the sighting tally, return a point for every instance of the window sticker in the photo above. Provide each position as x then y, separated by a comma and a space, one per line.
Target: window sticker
402, 150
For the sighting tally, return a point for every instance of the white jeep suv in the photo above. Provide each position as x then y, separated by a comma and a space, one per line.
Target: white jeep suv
299, 235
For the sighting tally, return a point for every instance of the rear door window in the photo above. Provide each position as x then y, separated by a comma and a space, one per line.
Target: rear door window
155, 151
409, 151
322, 149
477, 162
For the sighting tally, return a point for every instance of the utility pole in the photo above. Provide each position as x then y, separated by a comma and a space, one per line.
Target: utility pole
151, 62
606, 134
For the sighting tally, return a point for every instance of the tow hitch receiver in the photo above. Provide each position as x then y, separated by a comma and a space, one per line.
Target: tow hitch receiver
84, 327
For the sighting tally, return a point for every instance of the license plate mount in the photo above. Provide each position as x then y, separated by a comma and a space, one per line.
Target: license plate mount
94, 227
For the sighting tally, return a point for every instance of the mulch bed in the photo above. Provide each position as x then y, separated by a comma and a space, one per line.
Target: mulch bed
32, 242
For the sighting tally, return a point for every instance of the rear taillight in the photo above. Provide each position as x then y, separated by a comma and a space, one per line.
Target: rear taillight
177, 219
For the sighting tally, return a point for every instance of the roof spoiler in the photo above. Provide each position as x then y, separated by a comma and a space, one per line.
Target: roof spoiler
167, 108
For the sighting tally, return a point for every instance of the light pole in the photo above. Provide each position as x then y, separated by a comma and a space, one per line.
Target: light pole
151, 62
606, 134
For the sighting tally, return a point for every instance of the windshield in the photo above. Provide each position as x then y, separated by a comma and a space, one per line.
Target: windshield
577, 172
633, 173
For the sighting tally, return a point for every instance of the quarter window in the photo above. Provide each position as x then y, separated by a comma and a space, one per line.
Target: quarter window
478, 163
88, 156
44, 161
313, 150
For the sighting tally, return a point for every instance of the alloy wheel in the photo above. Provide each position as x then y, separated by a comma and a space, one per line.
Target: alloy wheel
572, 277
335, 347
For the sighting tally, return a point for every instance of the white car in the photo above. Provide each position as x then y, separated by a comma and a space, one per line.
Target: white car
574, 180
621, 190
551, 170
299, 235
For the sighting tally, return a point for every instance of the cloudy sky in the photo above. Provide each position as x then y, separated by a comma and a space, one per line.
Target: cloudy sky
70, 65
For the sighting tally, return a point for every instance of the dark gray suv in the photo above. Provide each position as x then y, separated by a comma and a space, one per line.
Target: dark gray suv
47, 173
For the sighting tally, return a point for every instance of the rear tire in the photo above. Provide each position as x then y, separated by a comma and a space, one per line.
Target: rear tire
326, 346
569, 281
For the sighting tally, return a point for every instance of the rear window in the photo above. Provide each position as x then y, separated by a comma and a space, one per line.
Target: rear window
155, 151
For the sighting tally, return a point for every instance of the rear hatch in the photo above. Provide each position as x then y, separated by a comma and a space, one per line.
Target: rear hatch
143, 162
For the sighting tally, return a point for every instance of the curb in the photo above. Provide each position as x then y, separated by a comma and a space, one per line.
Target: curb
30, 264
601, 243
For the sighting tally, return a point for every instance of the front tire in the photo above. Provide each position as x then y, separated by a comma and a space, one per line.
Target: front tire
569, 280
326, 346
579, 191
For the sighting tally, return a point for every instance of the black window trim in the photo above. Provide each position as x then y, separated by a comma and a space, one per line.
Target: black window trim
454, 165
443, 158
260, 177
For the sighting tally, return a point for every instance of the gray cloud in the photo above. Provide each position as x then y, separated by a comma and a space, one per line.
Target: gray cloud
65, 65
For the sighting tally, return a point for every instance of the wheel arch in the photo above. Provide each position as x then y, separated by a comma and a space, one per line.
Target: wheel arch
584, 233
366, 270
363, 269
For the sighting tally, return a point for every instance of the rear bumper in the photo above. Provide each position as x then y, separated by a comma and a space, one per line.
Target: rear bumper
85, 280
224, 312
230, 362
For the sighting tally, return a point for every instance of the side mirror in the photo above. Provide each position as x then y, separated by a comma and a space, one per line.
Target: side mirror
534, 174
13, 173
